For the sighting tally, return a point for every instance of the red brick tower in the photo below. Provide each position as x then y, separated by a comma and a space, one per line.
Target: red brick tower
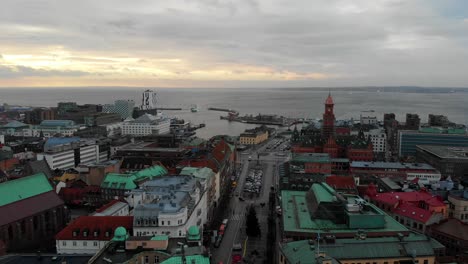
328, 126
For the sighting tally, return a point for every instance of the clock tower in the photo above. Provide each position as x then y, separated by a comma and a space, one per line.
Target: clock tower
328, 125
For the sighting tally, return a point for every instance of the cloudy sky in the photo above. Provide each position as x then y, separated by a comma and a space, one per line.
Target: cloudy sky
234, 43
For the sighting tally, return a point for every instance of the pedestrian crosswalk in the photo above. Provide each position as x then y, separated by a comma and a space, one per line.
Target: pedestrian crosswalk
237, 217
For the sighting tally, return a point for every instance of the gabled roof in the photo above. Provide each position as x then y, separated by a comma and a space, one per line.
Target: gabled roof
413, 212
452, 227
96, 227
392, 198
341, 182
38, 166
23, 188
128, 181
15, 124
21, 209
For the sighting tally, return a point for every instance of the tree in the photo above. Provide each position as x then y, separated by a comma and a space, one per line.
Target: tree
253, 227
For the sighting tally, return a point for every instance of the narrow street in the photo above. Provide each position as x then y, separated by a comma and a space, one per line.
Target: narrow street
235, 232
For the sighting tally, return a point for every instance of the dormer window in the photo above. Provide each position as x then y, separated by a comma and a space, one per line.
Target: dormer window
96, 233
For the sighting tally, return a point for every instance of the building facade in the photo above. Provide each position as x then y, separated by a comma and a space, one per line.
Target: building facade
146, 125
168, 206
408, 140
253, 136
87, 235
328, 126
31, 214
66, 153
450, 161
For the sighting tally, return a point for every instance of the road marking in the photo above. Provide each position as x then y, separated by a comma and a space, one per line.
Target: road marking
245, 247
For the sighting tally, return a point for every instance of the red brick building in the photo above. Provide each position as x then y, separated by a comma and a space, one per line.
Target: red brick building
31, 214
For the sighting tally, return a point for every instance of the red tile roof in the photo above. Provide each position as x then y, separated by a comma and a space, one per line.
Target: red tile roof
107, 206
341, 182
98, 224
452, 227
413, 212
391, 198
28, 207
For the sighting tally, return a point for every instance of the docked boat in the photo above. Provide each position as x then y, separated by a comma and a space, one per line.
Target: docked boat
194, 108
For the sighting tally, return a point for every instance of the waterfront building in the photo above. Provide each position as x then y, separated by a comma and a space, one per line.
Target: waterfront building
254, 136
368, 118
14, 128
31, 214
37, 115
438, 120
450, 161
367, 171
148, 100
146, 125
89, 234
458, 205
328, 126
150, 152
76, 113
323, 210
408, 140
416, 210
414, 248
115, 185
413, 122
168, 206
98, 119
122, 107
68, 152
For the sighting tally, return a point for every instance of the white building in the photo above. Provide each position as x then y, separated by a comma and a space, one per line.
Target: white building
149, 100
378, 139
168, 206
113, 208
425, 178
66, 153
368, 118
87, 235
147, 124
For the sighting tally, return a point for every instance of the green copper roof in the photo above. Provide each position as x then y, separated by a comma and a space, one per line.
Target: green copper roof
201, 173
323, 192
297, 217
367, 249
194, 233
160, 238
119, 181
127, 181
195, 259
120, 234
311, 157
17, 190
151, 172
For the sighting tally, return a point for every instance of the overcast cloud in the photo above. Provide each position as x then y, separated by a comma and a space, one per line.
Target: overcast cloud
234, 43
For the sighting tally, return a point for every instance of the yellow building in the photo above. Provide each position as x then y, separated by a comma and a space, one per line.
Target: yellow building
458, 206
414, 248
253, 136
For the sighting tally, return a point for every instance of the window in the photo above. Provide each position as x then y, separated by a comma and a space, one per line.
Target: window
74, 243
146, 259
85, 243
64, 243
168, 222
162, 222
95, 243
426, 261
